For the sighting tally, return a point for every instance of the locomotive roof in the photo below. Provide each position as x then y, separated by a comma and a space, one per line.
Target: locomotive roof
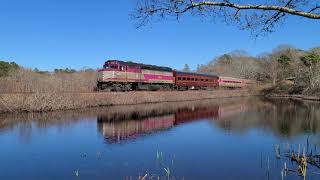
143, 66
198, 74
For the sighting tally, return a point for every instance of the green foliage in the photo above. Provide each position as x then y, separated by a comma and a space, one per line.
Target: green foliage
40, 72
66, 70
7, 67
310, 58
284, 59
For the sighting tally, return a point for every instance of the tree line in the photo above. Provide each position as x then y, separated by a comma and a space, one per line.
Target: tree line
285, 67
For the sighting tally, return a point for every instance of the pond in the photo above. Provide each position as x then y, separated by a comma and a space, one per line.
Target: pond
232, 138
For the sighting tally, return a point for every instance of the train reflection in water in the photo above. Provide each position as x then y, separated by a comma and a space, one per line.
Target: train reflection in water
116, 131
125, 127
283, 118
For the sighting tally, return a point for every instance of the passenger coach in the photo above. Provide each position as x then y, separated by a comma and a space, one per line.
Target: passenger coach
185, 80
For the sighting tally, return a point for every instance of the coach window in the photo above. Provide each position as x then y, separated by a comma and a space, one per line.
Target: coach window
184, 78
192, 79
179, 78
122, 68
196, 79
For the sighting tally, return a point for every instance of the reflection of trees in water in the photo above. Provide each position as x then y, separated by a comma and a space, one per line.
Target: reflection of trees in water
64, 119
28, 123
25, 132
281, 116
40, 120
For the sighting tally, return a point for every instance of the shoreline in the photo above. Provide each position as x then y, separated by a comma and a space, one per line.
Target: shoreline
294, 97
48, 102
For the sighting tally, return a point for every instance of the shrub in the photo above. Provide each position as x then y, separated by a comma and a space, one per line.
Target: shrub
7, 67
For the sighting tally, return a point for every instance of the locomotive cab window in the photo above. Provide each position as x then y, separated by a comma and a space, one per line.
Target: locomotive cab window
111, 66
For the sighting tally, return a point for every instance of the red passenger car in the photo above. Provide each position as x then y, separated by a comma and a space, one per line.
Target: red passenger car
185, 80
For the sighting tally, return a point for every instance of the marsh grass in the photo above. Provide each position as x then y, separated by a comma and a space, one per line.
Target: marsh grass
52, 101
29, 81
164, 170
76, 173
303, 157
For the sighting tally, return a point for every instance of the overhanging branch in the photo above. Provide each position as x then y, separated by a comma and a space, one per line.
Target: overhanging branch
283, 9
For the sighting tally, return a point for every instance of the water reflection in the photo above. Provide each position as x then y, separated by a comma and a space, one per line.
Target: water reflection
283, 118
222, 135
131, 125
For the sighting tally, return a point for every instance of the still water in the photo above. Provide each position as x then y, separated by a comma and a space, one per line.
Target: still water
238, 138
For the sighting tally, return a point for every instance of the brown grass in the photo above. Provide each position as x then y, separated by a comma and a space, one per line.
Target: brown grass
28, 81
39, 102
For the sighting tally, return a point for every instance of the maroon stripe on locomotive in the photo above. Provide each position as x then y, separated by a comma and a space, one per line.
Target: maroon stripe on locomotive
185, 79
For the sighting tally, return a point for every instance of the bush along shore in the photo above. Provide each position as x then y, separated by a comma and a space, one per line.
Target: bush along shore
40, 102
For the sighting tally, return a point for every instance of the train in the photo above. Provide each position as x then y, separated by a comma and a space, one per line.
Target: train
118, 75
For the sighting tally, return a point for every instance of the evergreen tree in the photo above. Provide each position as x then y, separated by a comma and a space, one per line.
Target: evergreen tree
7, 67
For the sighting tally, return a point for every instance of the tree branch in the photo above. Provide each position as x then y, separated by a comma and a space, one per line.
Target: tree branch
261, 17
313, 9
283, 9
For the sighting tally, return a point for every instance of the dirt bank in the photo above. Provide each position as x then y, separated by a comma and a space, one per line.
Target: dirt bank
295, 96
39, 102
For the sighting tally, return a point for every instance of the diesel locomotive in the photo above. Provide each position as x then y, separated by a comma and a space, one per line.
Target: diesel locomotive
119, 75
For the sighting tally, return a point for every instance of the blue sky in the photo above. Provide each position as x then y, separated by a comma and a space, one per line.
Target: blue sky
50, 34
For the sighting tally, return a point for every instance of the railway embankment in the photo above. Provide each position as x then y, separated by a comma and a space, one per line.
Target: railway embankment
40, 102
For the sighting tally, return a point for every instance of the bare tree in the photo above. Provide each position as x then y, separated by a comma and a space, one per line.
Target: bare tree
235, 64
259, 18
